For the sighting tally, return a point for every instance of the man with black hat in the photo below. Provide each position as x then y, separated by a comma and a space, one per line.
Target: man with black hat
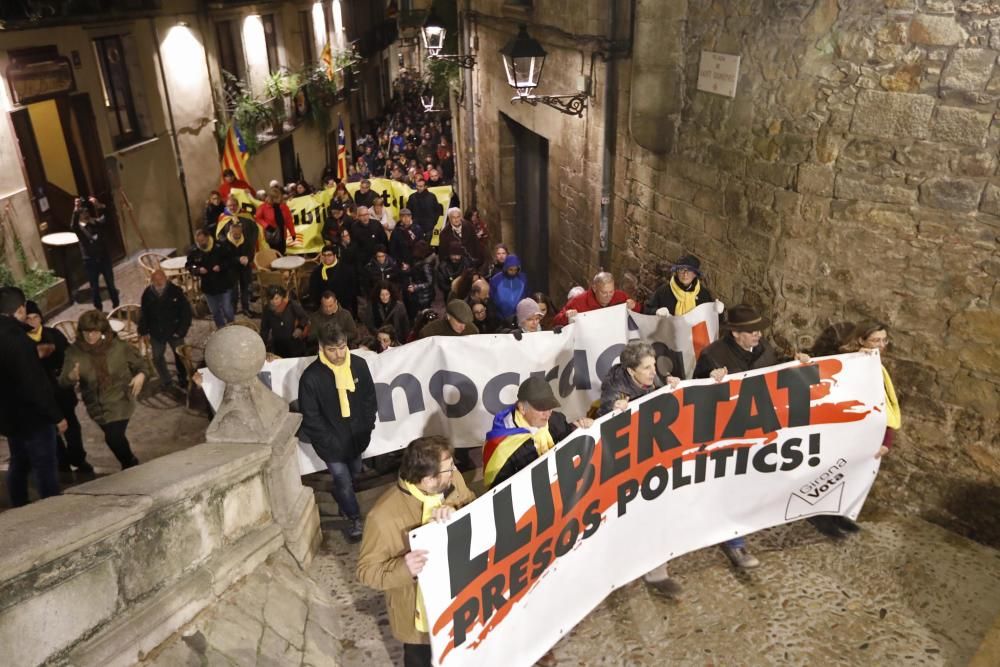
51, 345
334, 223
525, 431
458, 321
742, 348
683, 292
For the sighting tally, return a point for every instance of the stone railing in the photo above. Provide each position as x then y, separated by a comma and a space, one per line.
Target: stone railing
104, 573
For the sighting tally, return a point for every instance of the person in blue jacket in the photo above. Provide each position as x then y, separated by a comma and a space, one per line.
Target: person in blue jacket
508, 287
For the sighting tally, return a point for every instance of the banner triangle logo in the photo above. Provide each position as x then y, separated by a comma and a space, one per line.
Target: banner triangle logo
802, 505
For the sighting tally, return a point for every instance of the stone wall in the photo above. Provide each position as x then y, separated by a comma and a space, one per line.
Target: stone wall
853, 175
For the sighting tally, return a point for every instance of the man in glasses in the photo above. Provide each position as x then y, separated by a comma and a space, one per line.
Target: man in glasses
429, 488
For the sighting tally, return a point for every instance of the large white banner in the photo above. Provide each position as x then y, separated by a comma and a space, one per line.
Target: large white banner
453, 386
679, 470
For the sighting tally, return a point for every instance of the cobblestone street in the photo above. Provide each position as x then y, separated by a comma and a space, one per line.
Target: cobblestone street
903, 592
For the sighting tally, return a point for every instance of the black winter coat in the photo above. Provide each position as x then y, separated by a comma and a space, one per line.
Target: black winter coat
332, 436
164, 316
664, 297
366, 235
619, 384
425, 209
342, 280
91, 236
725, 353
27, 398
401, 242
421, 276
394, 313
221, 255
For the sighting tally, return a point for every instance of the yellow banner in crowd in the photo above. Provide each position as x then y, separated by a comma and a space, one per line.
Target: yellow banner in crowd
309, 212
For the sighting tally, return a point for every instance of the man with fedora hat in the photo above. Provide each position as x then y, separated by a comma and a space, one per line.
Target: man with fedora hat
458, 321
525, 431
742, 348
683, 292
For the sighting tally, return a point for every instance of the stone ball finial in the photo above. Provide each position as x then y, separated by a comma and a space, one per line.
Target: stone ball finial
235, 354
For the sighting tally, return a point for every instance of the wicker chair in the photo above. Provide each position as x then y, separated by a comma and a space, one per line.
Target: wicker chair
150, 262
66, 328
262, 260
129, 315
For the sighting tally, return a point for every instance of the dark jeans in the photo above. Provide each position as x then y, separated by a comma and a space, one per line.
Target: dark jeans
32, 451
95, 268
69, 446
221, 307
114, 435
160, 360
244, 286
343, 474
416, 655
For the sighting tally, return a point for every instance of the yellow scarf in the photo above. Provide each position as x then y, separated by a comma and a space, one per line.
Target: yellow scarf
686, 301
229, 235
541, 437
893, 415
344, 378
36, 335
324, 268
430, 503
208, 247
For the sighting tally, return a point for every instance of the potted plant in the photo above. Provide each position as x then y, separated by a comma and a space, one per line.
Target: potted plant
40, 285
278, 88
250, 113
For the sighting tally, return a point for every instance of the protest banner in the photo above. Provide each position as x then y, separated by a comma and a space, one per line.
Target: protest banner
453, 386
686, 334
309, 212
678, 470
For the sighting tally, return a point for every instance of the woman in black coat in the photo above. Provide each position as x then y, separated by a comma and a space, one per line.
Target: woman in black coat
683, 292
385, 307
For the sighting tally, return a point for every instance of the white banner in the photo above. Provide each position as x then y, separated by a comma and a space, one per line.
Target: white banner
453, 386
679, 470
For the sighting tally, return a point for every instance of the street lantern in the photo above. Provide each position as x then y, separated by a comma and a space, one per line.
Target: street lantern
523, 59
433, 32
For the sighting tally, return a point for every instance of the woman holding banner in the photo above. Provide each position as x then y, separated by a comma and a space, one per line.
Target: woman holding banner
633, 377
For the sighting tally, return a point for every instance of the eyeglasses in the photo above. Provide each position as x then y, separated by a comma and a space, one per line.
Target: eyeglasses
447, 470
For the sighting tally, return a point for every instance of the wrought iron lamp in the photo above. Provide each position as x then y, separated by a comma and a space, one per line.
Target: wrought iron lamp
523, 59
433, 32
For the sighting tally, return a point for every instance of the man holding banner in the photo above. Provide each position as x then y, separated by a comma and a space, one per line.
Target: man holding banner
427, 489
741, 349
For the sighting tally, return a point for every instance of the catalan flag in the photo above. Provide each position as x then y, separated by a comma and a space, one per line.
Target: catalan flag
235, 153
326, 57
341, 151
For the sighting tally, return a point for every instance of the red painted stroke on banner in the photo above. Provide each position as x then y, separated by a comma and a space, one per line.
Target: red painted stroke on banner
606, 494
699, 338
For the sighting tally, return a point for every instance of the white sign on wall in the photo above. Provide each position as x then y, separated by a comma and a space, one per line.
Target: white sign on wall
718, 73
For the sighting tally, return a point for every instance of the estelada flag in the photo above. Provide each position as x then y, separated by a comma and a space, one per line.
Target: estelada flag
341, 151
326, 57
235, 153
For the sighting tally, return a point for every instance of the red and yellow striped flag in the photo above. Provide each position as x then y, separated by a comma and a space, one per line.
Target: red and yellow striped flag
235, 153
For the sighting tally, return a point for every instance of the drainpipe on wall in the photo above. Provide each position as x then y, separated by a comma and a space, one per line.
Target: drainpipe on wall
173, 129
470, 117
610, 139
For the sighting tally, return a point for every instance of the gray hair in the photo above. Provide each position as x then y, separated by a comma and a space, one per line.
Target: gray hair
453, 209
603, 278
635, 352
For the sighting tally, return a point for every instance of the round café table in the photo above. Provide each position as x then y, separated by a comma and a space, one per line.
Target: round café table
174, 263
288, 266
59, 241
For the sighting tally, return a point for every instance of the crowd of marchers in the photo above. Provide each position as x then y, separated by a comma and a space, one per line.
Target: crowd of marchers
377, 284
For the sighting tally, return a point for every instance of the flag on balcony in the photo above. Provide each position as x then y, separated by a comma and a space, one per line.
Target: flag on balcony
235, 153
341, 151
326, 57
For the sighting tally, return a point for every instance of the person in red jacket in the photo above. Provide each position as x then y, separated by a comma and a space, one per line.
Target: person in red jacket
602, 293
229, 181
276, 219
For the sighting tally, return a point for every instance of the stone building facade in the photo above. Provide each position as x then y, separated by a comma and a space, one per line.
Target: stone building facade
853, 175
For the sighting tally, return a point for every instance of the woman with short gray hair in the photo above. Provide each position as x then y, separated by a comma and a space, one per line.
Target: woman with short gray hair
633, 376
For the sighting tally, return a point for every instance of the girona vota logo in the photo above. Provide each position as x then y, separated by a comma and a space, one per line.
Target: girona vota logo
822, 495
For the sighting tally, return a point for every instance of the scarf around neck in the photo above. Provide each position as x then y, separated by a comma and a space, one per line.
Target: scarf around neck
540, 436
687, 297
429, 502
324, 268
208, 246
36, 335
344, 378
98, 354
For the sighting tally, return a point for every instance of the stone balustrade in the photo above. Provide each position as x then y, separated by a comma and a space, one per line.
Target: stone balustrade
106, 572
